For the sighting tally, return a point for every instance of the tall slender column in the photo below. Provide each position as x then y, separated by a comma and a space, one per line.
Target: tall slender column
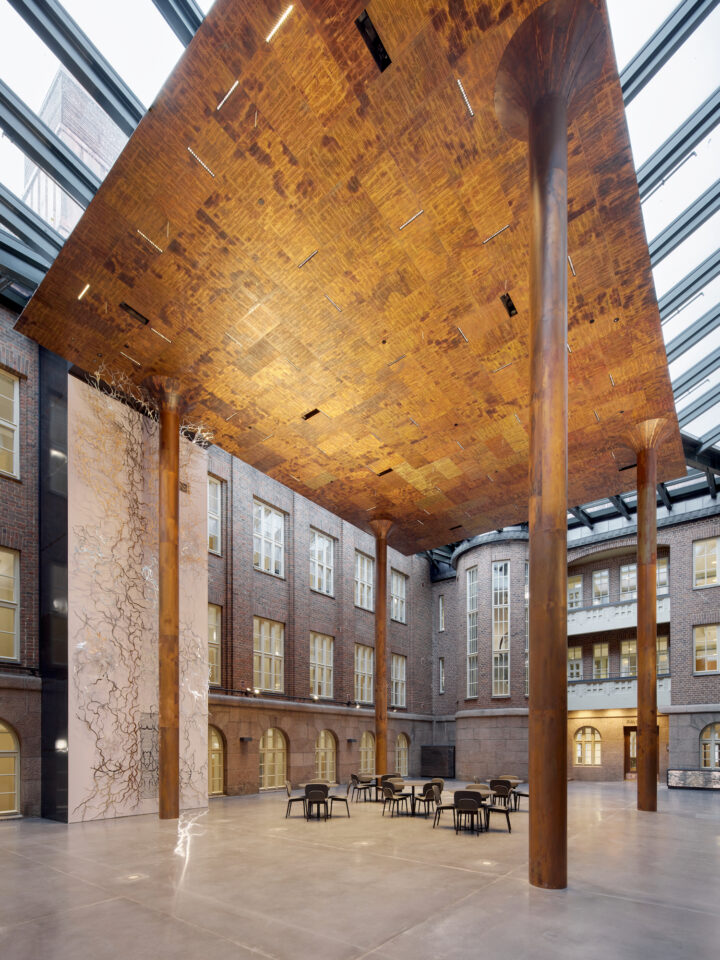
644, 439
167, 392
554, 54
381, 527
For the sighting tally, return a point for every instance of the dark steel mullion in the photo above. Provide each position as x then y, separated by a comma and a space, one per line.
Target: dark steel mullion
56, 28
703, 403
709, 439
666, 40
696, 332
696, 373
20, 261
687, 136
46, 149
700, 210
690, 285
709, 459
182, 16
32, 229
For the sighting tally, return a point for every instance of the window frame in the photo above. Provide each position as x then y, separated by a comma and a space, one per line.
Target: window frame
596, 576
441, 675
217, 516
602, 656
398, 680
664, 653
272, 752
711, 740
364, 585
572, 591
364, 673
402, 754
325, 755
320, 569
212, 767
704, 626
662, 589
593, 740
699, 543
575, 659
398, 600
441, 613
275, 660
215, 646
13, 605
628, 658
628, 577
14, 755
321, 667
471, 605
367, 753
13, 426
500, 628
264, 539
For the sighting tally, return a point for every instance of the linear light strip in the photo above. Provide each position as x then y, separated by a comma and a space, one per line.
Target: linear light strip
397, 360
83, 291
151, 242
280, 22
571, 265
157, 333
339, 310
411, 219
463, 336
232, 88
201, 162
231, 416
465, 97
131, 359
308, 258
496, 234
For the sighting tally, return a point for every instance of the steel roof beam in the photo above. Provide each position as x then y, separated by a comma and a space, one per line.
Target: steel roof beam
709, 440
700, 210
666, 40
28, 226
679, 144
46, 149
709, 459
620, 506
182, 16
580, 515
696, 373
704, 402
664, 496
696, 332
712, 483
21, 262
57, 29
690, 285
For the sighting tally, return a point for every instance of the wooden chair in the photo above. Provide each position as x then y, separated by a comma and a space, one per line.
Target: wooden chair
339, 798
394, 799
292, 800
467, 810
316, 795
441, 807
427, 797
359, 787
500, 802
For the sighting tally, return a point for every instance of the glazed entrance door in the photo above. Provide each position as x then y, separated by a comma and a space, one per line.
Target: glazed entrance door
630, 753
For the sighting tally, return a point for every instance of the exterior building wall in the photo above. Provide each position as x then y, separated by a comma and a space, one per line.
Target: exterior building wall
19, 681
685, 729
611, 725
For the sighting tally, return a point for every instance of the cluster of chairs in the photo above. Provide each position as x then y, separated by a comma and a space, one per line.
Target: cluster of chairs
471, 809
317, 797
392, 793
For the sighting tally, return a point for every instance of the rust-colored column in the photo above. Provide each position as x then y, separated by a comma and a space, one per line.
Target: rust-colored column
644, 439
555, 53
381, 527
167, 391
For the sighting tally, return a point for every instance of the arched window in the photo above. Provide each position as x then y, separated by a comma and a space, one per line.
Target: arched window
273, 759
325, 756
216, 763
367, 753
588, 745
709, 746
402, 745
9, 772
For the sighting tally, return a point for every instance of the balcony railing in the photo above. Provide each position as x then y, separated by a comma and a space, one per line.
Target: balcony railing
612, 616
617, 692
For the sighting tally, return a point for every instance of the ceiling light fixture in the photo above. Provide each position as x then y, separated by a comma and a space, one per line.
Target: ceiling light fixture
465, 98
496, 234
571, 265
518, 419
280, 22
306, 259
402, 227
136, 362
459, 444
201, 162
611, 379
232, 88
231, 416
508, 364
333, 303
596, 416
83, 291
158, 334
397, 360
151, 242
463, 336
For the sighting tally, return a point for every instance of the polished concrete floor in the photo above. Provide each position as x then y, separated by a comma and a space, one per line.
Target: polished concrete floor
241, 881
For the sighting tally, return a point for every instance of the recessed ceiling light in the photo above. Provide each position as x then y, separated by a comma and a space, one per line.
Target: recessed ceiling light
83, 291
571, 265
496, 234
280, 22
151, 242
201, 162
162, 335
307, 259
465, 98
227, 95
414, 217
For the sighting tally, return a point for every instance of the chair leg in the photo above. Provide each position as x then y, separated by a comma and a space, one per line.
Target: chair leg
507, 814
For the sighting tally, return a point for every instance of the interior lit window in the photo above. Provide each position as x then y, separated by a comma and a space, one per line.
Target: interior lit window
705, 562
402, 750
501, 629
268, 654
268, 539
364, 668
216, 763
367, 753
575, 671
710, 746
601, 661
705, 644
364, 587
9, 423
588, 747
9, 604
214, 643
397, 680
628, 658
9, 772
600, 587
325, 756
214, 515
273, 759
321, 665
575, 591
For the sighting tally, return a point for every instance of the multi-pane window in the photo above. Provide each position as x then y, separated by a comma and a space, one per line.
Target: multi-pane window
214, 515
9, 772
402, 747
441, 613
441, 675
601, 661
628, 658
663, 575
214, 635
367, 753
273, 759
588, 747
600, 587
9, 589
398, 592
364, 664
364, 581
325, 753
709, 747
9, 416
216, 763
501, 629
397, 680
663, 655
705, 645
628, 581
527, 628
472, 632
575, 591
268, 657
574, 663
705, 562
321, 562
268, 539
321, 665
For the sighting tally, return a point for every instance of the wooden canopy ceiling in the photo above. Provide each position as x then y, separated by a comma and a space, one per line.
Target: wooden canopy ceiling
265, 229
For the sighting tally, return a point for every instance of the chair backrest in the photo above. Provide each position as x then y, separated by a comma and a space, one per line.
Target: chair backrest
427, 790
501, 788
315, 795
354, 779
440, 782
316, 788
466, 795
466, 801
388, 792
438, 794
288, 787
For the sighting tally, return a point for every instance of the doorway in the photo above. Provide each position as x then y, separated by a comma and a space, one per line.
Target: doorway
630, 753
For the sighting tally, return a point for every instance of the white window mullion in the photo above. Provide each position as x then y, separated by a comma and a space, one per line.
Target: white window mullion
501, 628
472, 633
